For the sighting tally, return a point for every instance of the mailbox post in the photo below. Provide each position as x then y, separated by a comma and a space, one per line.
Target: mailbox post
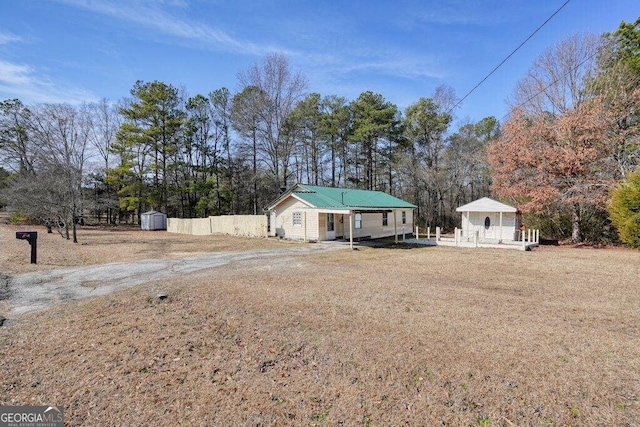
32, 238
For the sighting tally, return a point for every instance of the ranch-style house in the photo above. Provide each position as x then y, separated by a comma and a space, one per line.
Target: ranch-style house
315, 213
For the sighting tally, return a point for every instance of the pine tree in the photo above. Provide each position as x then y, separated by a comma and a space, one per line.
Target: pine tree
625, 209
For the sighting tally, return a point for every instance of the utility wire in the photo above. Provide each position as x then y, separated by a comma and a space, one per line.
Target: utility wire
509, 56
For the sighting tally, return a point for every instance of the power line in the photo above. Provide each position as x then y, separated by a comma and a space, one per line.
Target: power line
510, 55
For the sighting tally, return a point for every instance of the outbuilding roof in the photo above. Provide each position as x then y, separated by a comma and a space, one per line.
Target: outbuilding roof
486, 205
344, 198
153, 213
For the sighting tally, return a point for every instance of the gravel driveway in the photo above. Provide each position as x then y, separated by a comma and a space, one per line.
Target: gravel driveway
41, 289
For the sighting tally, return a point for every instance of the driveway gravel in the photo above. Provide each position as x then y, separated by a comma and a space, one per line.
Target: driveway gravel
37, 290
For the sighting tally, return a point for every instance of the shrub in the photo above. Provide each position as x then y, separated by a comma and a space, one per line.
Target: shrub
624, 210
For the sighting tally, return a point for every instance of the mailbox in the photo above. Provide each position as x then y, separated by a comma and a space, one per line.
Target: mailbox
32, 238
26, 235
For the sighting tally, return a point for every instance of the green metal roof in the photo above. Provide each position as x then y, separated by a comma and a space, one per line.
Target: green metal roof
347, 198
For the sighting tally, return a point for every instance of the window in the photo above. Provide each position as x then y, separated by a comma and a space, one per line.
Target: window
487, 223
385, 219
358, 221
330, 222
404, 217
297, 218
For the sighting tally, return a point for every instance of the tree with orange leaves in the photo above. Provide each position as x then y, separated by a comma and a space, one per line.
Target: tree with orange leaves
560, 161
555, 152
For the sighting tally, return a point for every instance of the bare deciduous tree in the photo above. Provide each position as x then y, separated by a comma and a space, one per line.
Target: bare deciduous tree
53, 191
103, 119
558, 79
281, 89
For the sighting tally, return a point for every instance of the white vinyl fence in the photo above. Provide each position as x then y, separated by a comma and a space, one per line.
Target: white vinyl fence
235, 225
525, 239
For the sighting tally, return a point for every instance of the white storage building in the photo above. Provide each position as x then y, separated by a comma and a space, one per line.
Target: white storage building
153, 220
493, 220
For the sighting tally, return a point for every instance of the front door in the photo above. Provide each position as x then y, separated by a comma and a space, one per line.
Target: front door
339, 225
488, 230
331, 227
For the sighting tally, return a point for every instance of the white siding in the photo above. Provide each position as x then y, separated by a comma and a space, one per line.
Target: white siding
477, 220
284, 220
311, 216
316, 223
509, 226
372, 225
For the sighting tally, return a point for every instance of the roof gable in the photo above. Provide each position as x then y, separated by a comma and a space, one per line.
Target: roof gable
344, 198
486, 205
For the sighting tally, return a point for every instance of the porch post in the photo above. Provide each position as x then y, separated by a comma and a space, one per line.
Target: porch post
351, 229
500, 234
395, 226
468, 228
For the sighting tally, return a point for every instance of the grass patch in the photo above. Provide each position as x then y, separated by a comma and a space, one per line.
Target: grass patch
370, 337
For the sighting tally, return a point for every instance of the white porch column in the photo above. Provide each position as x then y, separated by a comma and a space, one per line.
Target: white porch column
395, 226
351, 229
500, 234
304, 221
468, 231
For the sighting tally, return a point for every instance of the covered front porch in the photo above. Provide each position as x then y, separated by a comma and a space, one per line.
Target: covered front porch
358, 224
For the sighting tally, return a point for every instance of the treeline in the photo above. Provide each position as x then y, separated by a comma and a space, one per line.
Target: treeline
571, 137
225, 153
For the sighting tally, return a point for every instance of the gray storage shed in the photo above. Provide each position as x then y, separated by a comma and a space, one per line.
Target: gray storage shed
153, 220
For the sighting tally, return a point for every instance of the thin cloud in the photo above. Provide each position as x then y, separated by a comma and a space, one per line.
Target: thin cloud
151, 15
22, 82
403, 65
405, 68
6, 38
459, 12
14, 74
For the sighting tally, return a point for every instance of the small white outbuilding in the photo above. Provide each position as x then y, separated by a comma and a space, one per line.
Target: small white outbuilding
153, 220
493, 220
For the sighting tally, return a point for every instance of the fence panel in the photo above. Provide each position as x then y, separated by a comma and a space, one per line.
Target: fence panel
240, 225
235, 225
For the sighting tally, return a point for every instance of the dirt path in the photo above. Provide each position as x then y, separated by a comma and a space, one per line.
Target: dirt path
37, 290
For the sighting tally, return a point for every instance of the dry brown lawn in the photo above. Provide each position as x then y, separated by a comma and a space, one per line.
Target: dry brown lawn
100, 245
426, 336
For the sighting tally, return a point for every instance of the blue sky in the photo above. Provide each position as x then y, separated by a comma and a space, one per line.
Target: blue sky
83, 50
